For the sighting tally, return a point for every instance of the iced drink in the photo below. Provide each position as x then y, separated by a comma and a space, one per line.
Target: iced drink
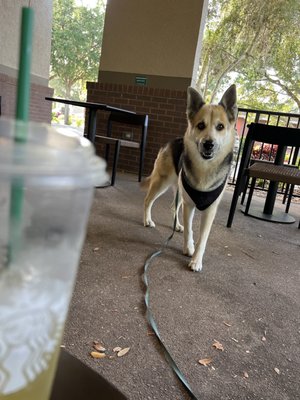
57, 173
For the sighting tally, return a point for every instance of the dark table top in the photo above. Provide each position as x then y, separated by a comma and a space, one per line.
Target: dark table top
76, 381
90, 105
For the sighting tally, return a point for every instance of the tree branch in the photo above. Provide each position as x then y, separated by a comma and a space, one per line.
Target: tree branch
230, 67
283, 87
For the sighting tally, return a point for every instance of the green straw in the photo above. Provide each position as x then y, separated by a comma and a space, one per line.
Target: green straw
22, 114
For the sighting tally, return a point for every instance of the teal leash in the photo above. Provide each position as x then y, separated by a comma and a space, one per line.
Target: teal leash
149, 315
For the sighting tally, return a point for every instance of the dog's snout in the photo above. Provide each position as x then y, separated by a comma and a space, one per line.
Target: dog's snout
208, 145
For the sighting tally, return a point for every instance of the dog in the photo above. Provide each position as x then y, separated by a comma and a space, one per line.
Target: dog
198, 165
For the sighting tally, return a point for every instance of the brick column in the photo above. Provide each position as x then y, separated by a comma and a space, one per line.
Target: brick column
40, 109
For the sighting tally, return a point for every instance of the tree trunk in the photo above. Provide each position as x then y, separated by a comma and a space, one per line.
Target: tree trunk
67, 107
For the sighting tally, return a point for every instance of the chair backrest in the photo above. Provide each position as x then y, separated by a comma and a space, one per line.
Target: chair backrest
136, 120
282, 136
274, 135
130, 119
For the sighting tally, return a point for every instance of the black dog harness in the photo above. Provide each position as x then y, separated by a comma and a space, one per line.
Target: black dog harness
202, 200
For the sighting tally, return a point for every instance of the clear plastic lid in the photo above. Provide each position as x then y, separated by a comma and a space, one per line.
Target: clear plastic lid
38, 153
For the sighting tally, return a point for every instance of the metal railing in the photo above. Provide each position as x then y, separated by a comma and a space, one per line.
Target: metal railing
264, 151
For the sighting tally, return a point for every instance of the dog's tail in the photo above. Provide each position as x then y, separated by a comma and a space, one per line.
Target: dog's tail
144, 185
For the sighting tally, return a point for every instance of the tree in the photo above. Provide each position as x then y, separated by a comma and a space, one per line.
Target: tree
258, 45
76, 46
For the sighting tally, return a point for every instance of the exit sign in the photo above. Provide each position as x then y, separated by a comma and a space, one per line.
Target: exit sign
141, 80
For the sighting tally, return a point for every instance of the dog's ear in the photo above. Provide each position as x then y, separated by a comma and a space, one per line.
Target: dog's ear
228, 101
194, 102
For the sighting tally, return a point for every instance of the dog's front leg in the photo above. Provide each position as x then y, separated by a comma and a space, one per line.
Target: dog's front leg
207, 219
188, 240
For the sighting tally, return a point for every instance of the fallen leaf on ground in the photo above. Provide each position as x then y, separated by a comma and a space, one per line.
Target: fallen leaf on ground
124, 351
99, 347
235, 340
116, 349
246, 375
277, 371
96, 354
205, 361
226, 323
96, 249
263, 339
217, 345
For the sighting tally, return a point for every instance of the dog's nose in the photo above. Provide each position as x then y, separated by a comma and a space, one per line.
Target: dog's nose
208, 145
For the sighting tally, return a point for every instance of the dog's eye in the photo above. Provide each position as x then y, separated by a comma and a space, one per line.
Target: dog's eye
220, 127
201, 126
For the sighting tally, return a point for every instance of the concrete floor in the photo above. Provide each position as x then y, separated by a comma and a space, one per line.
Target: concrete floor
247, 298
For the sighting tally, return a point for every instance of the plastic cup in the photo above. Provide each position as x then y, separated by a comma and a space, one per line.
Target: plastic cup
58, 173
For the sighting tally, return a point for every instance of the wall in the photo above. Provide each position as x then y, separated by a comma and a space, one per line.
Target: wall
10, 22
159, 41
153, 38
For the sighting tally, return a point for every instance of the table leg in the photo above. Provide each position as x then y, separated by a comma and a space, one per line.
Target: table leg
271, 197
92, 124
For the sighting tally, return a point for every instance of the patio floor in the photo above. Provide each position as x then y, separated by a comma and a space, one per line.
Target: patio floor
246, 298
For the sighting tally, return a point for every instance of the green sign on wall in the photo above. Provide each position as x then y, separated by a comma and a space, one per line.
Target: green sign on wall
141, 80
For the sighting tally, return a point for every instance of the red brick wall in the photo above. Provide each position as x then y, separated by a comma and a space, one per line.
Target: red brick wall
167, 119
40, 109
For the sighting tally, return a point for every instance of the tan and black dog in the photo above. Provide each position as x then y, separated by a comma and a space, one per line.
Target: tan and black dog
198, 164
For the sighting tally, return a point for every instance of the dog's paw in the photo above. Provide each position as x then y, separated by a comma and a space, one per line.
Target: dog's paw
179, 228
149, 223
197, 267
188, 250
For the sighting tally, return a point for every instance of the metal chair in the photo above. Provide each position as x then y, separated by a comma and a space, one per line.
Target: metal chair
275, 172
116, 127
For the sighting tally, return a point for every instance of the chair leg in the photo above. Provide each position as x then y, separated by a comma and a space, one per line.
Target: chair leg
245, 191
140, 168
141, 162
234, 201
115, 163
286, 191
251, 190
289, 199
